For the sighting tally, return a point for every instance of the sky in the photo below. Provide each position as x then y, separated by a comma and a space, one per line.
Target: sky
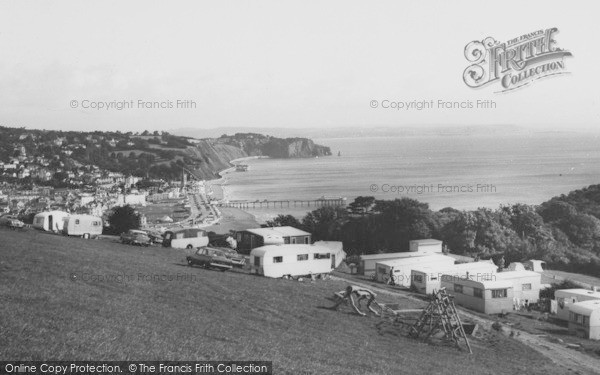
282, 64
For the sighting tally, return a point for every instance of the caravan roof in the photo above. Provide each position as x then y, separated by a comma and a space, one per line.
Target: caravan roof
456, 267
416, 259
281, 231
579, 292
585, 307
427, 241
392, 255
516, 274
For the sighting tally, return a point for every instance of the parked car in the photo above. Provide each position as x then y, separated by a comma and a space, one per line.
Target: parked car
237, 260
135, 237
15, 224
6, 219
155, 237
208, 257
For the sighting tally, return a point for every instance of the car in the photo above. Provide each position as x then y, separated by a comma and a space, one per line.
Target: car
155, 237
135, 237
6, 219
237, 260
15, 224
208, 257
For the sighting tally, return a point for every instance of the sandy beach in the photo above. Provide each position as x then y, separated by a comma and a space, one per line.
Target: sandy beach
231, 218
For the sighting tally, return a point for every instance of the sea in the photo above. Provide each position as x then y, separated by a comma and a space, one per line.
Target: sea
460, 171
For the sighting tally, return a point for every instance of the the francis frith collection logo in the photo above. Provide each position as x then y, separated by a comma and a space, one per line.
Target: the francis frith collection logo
515, 63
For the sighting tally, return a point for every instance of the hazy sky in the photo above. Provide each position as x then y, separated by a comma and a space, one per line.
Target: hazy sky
282, 63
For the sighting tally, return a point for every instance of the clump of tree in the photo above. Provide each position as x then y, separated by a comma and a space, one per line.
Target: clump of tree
564, 232
123, 219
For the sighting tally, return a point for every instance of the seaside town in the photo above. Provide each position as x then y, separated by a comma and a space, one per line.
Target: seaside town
58, 194
96, 191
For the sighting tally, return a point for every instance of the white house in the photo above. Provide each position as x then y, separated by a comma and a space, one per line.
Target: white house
567, 297
131, 199
291, 260
584, 319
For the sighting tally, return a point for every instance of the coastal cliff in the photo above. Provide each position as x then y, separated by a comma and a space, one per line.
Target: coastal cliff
263, 145
215, 154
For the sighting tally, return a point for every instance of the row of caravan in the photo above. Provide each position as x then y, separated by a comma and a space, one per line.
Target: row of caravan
85, 226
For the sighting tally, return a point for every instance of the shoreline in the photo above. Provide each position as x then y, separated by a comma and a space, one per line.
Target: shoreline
229, 218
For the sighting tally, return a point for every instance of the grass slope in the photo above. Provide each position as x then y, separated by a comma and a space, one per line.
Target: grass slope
205, 315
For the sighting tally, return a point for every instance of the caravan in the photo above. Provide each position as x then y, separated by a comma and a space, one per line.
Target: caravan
51, 221
189, 238
85, 226
291, 260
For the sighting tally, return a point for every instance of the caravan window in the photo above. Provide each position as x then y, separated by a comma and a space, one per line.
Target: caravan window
458, 288
477, 292
302, 257
257, 261
322, 256
306, 240
277, 259
527, 286
499, 293
77, 222
418, 278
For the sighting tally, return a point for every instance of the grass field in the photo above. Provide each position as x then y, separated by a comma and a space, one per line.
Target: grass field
67, 298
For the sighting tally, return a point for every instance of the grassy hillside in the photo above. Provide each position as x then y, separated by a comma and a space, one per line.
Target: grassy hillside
52, 310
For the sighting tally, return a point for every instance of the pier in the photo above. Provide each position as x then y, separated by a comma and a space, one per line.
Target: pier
286, 203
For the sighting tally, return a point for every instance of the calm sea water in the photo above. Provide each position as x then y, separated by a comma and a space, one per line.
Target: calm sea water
464, 172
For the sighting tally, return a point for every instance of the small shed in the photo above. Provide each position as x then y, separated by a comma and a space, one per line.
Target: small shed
428, 246
251, 238
584, 319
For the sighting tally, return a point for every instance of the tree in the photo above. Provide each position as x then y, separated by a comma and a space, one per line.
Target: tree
123, 219
361, 205
285, 221
325, 223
